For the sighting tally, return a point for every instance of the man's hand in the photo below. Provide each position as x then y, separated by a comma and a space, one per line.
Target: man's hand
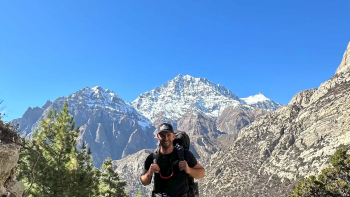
184, 166
154, 168
146, 176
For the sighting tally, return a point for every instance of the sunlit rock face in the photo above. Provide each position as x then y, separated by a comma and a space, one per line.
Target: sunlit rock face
9, 155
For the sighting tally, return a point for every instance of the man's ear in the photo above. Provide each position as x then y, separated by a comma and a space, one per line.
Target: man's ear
158, 136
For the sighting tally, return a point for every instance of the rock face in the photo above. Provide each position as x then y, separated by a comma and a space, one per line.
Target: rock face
130, 168
114, 135
303, 98
9, 155
233, 119
29, 118
275, 151
197, 123
345, 63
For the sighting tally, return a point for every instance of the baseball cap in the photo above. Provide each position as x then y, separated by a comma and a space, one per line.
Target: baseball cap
165, 127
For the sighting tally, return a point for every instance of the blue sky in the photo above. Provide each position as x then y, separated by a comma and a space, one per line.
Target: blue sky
54, 48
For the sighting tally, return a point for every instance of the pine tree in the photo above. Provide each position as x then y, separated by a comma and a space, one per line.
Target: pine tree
334, 181
85, 177
53, 166
111, 186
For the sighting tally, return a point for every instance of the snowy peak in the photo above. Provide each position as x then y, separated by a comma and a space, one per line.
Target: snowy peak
180, 82
260, 101
186, 85
255, 99
99, 97
104, 98
182, 94
99, 92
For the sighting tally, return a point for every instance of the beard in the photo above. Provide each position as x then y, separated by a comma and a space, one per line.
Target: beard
165, 144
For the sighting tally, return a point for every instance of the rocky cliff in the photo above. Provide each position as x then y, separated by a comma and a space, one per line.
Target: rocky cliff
9, 155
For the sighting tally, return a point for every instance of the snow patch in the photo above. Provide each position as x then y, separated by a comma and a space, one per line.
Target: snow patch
255, 99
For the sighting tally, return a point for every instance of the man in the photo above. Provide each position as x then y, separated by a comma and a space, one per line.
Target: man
170, 176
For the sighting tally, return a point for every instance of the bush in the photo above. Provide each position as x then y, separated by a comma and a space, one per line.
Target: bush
334, 181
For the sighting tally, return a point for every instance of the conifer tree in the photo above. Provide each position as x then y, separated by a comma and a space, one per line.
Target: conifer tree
85, 177
53, 166
334, 181
111, 186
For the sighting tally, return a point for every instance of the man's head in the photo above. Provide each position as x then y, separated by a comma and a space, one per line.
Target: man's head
166, 135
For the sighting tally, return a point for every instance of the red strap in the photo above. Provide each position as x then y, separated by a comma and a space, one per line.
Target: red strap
172, 173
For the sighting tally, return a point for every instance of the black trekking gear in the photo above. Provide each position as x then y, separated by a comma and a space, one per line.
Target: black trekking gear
181, 142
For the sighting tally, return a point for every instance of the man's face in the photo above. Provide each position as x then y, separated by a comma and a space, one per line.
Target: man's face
166, 139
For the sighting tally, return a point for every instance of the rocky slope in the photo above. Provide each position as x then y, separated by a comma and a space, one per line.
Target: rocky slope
9, 155
271, 154
233, 119
130, 168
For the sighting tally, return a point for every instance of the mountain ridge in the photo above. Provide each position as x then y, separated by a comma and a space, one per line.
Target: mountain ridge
192, 93
115, 128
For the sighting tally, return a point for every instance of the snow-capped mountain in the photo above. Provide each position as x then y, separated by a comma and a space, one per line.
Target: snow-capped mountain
108, 125
260, 101
115, 128
185, 93
99, 98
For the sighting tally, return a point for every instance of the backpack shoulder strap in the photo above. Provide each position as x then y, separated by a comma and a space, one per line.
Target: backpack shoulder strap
156, 154
180, 152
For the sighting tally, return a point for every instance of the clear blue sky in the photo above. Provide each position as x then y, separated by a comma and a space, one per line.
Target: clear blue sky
54, 48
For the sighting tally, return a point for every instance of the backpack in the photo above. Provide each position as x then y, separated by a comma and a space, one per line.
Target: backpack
181, 142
